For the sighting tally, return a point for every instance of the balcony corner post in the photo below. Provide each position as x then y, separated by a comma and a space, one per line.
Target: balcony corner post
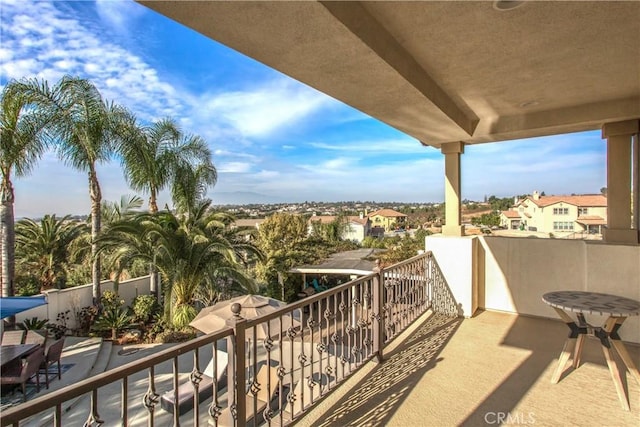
378, 303
235, 368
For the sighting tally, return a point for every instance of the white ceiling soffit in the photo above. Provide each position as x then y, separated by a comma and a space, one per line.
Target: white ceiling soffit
445, 71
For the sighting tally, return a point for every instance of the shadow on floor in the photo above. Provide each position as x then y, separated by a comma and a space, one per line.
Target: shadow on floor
382, 393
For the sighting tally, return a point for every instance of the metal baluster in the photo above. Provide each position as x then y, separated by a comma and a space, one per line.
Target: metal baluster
214, 409
125, 401
150, 398
57, 417
93, 415
176, 396
196, 377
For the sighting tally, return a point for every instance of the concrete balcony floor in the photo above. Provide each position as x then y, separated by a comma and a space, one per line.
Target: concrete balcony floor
455, 372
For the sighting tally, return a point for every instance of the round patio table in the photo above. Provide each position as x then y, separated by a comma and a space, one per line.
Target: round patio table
616, 308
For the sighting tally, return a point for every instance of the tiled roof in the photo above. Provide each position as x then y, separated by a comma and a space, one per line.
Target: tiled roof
586, 200
511, 214
249, 222
327, 219
323, 219
358, 220
387, 213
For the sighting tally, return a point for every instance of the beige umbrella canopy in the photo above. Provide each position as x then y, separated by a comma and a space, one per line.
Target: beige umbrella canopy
214, 318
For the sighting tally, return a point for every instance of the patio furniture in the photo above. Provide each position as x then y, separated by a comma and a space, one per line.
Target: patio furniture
52, 356
12, 337
36, 337
205, 387
11, 353
20, 373
616, 308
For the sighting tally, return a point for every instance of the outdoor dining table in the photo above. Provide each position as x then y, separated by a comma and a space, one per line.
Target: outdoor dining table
616, 308
9, 353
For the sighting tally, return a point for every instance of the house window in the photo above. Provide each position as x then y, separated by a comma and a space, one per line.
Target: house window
561, 211
583, 211
563, 226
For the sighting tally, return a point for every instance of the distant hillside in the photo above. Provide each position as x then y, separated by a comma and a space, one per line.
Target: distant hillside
242, 198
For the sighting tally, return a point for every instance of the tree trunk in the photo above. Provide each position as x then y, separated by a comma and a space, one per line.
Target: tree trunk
96, 199
153, 205
7, 239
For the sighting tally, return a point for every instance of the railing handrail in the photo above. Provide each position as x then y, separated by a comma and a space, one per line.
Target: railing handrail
382, 304
10, 416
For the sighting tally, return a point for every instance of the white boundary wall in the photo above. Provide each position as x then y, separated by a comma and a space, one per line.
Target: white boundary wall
511, 274
75, 298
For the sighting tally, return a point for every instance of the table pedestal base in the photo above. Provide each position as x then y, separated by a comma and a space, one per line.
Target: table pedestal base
608, 336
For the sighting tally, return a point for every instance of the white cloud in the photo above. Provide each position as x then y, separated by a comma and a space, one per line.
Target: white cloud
118, 13
262, 110
405, 145
234, 167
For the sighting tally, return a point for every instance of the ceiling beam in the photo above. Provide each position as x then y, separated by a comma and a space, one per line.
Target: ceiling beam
357, 19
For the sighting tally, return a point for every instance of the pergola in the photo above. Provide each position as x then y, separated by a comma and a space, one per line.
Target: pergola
452, 74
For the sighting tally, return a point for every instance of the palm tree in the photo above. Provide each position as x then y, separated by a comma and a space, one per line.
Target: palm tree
86, 129
45, 247
159, 154
191, 252
22, 142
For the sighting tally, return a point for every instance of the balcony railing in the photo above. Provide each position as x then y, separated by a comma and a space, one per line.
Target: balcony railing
309, 347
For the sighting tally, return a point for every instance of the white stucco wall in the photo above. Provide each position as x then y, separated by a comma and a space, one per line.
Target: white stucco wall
456, 257
518, 271
60, 300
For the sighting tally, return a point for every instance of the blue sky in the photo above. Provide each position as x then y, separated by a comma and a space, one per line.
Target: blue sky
269, 134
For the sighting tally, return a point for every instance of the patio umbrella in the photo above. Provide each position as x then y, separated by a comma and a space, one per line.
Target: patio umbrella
213, 318
10, 306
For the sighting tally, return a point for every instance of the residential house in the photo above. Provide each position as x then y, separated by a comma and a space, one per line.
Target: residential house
388, 219
356, 229
558, 214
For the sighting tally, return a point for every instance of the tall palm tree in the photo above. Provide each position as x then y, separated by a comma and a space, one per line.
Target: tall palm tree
45, 247
22, 142
159, 154
86, 129
191, 252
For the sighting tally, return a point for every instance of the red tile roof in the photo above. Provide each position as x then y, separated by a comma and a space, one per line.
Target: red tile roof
511, 214
387, 213
586, 200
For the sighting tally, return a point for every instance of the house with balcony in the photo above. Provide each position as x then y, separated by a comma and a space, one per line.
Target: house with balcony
388, 219
560, 215
482, 345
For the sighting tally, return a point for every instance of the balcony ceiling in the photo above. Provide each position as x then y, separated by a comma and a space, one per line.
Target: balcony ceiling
445, 71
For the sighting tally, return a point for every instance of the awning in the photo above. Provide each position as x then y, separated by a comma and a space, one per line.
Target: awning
10, 306
591, 220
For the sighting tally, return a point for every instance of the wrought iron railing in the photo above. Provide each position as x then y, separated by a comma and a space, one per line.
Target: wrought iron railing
285, 361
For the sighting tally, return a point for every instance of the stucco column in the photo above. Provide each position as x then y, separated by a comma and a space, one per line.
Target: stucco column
619, 137
452, 151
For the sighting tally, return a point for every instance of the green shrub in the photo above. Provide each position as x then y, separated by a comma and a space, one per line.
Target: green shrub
114, 319
33, 324
144, 307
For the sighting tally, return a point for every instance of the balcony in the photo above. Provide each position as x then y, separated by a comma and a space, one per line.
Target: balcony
439, 368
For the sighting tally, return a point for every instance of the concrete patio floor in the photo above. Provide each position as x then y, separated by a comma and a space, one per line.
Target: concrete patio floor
454, 372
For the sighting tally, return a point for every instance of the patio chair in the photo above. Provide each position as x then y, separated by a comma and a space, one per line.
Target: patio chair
205, 388
20, 373
13, 337
52, 356
267, 375
317, 287
36, 337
